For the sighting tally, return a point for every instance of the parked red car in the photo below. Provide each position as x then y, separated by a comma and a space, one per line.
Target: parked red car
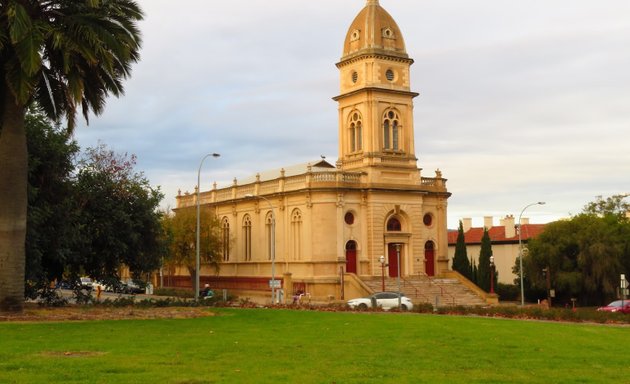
622, 306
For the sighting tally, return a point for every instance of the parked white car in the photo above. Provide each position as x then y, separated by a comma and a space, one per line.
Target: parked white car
385, 300
87, 283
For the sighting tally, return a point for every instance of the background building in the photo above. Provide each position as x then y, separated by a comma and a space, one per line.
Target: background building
504, 240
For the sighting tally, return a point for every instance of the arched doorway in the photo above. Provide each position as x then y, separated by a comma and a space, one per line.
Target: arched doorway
351, 256
392, 259
429, 258
393, 225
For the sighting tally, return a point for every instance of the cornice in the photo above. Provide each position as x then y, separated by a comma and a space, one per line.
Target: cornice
376, 89
372, 54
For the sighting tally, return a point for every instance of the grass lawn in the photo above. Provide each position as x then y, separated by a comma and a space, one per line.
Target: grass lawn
283, 346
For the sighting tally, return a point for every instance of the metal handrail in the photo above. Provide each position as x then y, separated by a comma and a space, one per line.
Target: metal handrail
443, 290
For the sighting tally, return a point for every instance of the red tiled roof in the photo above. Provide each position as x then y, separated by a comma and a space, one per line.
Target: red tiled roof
497, 234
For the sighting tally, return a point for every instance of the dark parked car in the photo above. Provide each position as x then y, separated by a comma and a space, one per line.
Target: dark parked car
622, 306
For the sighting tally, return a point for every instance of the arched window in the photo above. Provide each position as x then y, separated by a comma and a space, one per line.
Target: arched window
393, 225
247, 237
225, 238
355, 132
391, 130
429, 258
296, 234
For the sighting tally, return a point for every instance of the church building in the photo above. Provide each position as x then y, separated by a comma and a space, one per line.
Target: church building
327, 229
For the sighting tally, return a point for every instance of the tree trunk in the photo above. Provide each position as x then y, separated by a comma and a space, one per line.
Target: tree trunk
13, 204
193, 277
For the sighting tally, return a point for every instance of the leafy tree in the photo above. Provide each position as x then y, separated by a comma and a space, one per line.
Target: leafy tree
52, 217
63, 55
483, 269
182, 233
474, 272
461, 263
585, 255
119, 223
610, 206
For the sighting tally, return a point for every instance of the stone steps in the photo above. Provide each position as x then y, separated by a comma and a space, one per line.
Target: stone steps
435, 291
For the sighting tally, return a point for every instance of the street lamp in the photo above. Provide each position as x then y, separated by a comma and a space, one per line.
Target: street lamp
273, 246
492, 274
197, 263
382, 261
520, 249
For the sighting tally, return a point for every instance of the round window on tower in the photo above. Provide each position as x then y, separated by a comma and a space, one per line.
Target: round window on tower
356, 35
355, 76
349, 218
427, 219
389, 75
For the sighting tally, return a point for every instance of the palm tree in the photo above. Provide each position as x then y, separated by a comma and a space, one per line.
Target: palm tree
60, 55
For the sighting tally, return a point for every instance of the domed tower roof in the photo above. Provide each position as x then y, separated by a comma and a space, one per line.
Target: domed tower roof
373, 31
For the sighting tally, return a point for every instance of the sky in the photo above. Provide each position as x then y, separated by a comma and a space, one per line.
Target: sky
520, 101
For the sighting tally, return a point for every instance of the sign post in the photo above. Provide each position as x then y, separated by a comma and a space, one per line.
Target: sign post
623, 285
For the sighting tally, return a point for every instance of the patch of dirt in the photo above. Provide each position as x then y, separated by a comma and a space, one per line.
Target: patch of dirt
71, 353
76, 313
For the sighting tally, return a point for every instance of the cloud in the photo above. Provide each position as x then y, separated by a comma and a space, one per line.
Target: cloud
519, 101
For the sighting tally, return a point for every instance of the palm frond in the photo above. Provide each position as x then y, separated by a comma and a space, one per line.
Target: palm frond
66, 53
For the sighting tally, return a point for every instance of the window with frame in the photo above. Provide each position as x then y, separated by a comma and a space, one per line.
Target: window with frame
225, 238
391, 130
349, 218
356, 132
427, 219
247, 238
393, 225
296, 234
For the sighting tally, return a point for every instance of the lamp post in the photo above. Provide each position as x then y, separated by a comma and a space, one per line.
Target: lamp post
520, 249
492, 274
398, 262
273, 246
382, 261
197, 263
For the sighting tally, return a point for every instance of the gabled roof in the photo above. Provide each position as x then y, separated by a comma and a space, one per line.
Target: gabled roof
497, 234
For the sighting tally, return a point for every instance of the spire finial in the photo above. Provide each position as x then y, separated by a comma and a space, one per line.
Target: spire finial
372, 2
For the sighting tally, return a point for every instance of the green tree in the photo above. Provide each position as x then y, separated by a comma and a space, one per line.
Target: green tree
182, 228
610, 206
461, 263
64, 55
120, 223
483, 269
585, 255
52, 216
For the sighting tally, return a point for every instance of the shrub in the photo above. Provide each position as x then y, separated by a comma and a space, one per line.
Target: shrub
174, 292
508, 292
82, 296
50, 297
423, 308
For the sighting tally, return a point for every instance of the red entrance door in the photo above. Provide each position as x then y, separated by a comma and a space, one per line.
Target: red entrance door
429, 258
392, 260
351, 257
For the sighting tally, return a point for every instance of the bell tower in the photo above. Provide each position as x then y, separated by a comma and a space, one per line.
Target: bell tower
375, 104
